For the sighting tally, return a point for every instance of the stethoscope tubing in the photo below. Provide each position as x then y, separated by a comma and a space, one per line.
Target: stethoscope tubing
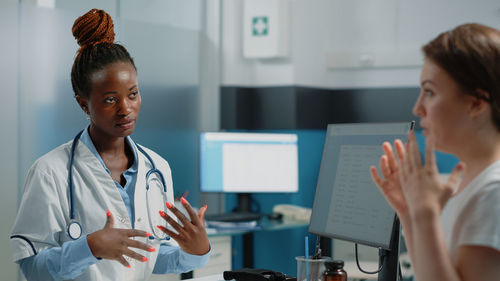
70, 175
148, 174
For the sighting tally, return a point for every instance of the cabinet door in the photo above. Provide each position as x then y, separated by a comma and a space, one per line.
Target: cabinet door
220, 258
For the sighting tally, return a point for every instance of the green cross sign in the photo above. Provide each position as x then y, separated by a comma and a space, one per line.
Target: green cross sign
260, 26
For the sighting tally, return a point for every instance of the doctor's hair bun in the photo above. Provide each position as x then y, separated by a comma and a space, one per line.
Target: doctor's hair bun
94, 33
94, 27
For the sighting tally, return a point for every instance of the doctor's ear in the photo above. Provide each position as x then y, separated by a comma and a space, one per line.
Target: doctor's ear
83, 102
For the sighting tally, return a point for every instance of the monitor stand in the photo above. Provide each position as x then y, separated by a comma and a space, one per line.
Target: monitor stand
390, 267
242, 212
244, 203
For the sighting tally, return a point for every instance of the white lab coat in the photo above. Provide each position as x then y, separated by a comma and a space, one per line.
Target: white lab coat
44, 212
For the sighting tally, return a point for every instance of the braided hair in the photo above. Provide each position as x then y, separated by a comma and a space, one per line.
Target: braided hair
94, 32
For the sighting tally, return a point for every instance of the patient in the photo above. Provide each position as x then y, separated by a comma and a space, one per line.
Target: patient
452, 230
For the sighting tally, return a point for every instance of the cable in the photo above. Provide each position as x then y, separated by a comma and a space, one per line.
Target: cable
400, 275
364, 271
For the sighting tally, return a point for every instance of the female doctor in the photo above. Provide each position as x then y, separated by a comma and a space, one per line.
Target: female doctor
94, 208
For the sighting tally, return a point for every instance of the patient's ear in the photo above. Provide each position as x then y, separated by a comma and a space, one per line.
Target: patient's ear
480, 103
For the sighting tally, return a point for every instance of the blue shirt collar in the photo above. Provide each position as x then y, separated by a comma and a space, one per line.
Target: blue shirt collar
85, 139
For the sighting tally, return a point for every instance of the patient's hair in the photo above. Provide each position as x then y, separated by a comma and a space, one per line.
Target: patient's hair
470, 54
94, 32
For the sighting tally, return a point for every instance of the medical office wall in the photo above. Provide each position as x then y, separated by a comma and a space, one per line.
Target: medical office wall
9, 131
347, 44
38, 108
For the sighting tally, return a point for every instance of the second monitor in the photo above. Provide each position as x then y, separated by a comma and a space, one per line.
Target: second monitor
247, 163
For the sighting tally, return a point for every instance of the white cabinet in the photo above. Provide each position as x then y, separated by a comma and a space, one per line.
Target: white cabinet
220, 258
219, 261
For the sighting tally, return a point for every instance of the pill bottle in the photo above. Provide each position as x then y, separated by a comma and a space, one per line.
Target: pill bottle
335, 271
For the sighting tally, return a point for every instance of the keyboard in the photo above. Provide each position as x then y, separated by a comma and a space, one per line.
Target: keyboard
234, 217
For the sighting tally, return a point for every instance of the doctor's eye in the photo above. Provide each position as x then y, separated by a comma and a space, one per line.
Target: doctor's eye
110, 100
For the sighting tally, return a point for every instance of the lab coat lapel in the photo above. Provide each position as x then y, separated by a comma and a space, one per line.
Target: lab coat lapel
141, 215
152, 199
101, 186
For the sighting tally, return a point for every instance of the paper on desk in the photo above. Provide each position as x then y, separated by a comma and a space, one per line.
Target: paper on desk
232, 225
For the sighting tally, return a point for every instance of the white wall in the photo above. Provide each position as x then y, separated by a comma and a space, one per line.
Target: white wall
352, 27
8, 129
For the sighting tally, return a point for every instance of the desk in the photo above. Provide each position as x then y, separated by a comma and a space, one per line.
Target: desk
216, 277
264, 225
219, 277
353, 272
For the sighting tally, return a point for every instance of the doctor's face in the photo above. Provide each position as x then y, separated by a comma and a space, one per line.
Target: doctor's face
114, 100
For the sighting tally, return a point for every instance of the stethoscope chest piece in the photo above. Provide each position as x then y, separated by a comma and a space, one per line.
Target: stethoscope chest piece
74, 230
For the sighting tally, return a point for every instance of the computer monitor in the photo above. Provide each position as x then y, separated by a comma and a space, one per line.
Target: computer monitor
347, 204
248, 162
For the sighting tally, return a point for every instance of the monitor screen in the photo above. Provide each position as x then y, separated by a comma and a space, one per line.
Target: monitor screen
347, 204
248, 162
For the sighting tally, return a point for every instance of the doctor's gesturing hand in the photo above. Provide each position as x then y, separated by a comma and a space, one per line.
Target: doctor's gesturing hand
113, 243
190, 234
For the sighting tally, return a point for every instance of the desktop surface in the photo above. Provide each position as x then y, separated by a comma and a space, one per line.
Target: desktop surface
215, 277
234, 217
263, 224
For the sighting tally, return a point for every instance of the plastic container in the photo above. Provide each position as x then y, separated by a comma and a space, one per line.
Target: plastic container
311, 269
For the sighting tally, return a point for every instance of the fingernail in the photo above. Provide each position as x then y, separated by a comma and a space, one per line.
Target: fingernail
183, 200
162, 213
128, 266
169, 205
205, 207
108, 213
159, 226
148, 234
144, 259
151, 249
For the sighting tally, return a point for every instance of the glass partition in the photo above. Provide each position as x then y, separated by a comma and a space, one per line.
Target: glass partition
164, 39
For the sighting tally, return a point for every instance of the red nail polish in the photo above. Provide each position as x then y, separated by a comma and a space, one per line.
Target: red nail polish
162, 213
151, 249
108, 213
183, 200
148, 234
128, 266
144, 259
159, 226
205, 207
169, 205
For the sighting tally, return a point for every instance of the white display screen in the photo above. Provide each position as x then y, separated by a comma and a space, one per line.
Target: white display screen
248, 162
348, 205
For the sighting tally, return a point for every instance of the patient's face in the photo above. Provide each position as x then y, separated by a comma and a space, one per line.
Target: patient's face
442, 107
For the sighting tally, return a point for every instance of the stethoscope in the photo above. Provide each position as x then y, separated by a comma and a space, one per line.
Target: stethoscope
74, 229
